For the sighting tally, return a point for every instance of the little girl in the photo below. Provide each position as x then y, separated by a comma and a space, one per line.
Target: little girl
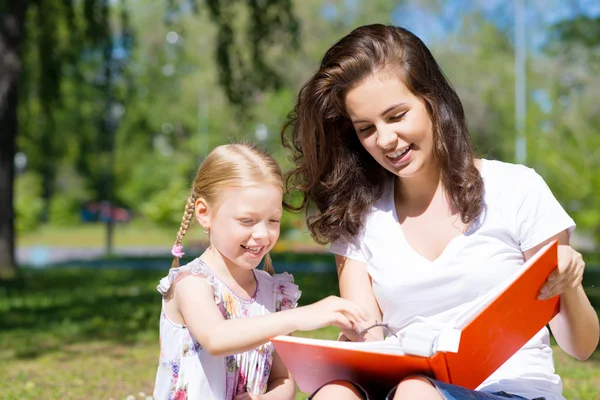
219, 311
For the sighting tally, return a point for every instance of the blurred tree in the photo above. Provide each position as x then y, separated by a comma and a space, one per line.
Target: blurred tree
478, 59
178, 109
243, 69
12, 17
582, 30
55, 32
570, 144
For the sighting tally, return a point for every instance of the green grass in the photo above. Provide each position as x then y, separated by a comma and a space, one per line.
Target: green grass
94, 235
74, 333
140, 233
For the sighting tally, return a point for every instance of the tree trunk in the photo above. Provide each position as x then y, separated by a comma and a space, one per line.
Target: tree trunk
12, 21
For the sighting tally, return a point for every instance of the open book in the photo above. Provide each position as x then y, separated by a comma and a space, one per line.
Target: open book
464, 353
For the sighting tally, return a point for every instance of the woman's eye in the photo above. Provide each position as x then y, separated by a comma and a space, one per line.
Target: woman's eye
365, 129
398, 117
275, 221
246, 221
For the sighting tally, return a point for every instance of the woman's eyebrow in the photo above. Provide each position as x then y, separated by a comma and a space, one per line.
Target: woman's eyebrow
382, 114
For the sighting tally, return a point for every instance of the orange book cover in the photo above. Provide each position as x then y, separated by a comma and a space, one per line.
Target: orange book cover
493, 333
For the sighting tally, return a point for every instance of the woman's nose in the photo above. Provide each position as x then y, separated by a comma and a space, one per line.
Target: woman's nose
386, 138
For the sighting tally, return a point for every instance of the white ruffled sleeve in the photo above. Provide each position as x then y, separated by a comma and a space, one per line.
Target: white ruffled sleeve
287, 292
196, 267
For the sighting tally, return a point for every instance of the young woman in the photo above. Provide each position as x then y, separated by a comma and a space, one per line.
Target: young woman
419, 225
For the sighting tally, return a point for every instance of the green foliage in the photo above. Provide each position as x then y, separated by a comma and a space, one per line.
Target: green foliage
489, 110
165, 207
567, 148
28, 201
244, 69
64, 209
178, 99
158, 186
291, 223
63, 43
65, 205
582, 30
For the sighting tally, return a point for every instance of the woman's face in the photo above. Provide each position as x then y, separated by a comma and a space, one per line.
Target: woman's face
392, 124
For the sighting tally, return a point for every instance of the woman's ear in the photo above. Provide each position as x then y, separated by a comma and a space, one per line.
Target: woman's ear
201, 210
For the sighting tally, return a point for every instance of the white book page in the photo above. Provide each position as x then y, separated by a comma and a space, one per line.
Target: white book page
380, 346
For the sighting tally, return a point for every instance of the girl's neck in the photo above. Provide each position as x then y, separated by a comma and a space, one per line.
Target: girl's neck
414, 194
228, 272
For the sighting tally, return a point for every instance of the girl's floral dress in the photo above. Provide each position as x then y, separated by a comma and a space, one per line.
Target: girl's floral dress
187, 372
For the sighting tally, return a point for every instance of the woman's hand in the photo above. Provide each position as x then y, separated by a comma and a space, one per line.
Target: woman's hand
567, 276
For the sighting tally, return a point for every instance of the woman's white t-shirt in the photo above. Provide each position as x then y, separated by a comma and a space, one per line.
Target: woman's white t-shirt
520, 212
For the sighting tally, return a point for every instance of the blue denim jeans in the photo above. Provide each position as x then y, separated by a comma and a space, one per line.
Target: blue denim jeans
448, 392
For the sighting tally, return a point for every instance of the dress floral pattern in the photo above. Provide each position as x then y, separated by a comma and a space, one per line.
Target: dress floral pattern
187, 372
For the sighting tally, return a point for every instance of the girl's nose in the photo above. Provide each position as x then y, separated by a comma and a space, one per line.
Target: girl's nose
260, 231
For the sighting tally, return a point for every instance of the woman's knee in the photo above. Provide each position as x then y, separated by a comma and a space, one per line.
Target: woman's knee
416, 387
343, 390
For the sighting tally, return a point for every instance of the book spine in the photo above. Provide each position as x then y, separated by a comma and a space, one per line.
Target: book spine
439, 366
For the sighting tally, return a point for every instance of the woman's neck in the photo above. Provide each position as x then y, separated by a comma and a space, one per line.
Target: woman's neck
414, 194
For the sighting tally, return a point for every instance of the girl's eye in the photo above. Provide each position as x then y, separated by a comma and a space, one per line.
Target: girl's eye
398, 117
275, 221
246, 221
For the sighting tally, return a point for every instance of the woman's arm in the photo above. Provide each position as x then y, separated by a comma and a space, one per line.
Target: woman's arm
355, 285
575, 328
221, 337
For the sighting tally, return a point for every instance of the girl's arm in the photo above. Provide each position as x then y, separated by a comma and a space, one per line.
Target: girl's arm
222, 337
280, 386
355, 285
576, 327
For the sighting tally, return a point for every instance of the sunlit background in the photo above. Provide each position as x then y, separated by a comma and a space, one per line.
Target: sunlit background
107, 107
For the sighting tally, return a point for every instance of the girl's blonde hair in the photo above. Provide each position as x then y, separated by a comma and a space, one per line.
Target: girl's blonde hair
231, 165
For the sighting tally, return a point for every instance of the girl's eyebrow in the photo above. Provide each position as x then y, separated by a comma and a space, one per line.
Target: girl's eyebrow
382, 114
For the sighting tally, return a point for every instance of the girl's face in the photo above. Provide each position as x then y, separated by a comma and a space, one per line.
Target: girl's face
244, 225
392, 124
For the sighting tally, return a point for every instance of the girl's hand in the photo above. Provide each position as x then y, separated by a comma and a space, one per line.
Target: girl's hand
333, 310
568, 275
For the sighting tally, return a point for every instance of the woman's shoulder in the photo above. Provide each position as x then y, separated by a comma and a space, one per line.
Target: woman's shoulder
507, 175
503, 168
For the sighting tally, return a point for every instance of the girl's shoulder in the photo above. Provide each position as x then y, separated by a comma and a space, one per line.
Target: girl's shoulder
282, 286
194, 268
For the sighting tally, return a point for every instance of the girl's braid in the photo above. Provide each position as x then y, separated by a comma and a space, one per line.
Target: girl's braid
268, 264
188, 213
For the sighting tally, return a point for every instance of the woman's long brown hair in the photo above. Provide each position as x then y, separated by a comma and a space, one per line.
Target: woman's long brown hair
332, 169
